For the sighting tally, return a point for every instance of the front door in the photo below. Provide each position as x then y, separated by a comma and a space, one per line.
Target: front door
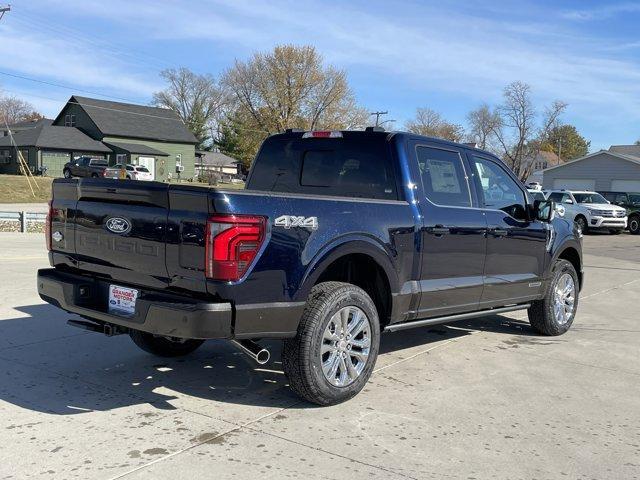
516, 245
150, 163
453, 233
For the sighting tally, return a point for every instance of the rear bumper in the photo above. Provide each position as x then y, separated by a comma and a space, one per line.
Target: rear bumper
169, 314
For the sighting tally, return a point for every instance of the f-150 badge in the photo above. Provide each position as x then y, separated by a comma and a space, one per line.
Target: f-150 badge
292, 221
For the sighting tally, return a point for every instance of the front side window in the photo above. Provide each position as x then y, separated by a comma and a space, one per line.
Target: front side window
589, 198
443, 177
498, 189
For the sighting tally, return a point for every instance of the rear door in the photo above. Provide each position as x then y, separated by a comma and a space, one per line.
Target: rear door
120, 231
515, 244
453, 233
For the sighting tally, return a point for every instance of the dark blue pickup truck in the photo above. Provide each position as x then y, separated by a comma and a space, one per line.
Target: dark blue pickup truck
339, 236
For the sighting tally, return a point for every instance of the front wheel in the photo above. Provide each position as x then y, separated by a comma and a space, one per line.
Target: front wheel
66, 173
554, 314
581, 224
332, 357
634, 225
164, 346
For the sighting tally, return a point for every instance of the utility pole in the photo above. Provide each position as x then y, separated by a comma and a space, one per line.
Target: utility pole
378, 115
4, 9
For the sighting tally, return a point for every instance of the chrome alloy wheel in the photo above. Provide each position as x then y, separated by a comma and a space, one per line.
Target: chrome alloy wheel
564, 298
345, 346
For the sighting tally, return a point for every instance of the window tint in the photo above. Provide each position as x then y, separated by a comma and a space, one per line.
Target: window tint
498, 189
634, 199
357, 165
443, 177
558, 197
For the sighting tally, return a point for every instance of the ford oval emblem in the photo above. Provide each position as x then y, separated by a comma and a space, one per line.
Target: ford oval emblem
118, 225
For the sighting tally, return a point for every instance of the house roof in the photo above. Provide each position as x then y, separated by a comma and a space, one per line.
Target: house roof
215, 159
607, 152
55, 137
630, 150
136, 121
30, 124
138, 148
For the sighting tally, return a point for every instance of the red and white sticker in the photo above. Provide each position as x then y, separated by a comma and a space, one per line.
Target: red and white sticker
122, 300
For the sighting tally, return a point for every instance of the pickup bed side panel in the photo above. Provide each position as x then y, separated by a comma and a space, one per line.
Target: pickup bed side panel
294, 255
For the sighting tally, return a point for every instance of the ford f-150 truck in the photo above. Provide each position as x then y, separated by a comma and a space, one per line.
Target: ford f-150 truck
339, 236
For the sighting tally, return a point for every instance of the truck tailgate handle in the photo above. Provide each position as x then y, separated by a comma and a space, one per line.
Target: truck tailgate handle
439, 230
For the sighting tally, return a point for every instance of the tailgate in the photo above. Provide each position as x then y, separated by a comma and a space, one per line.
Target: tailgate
120, 230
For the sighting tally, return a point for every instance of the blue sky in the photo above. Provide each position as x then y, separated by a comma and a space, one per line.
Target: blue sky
446, 55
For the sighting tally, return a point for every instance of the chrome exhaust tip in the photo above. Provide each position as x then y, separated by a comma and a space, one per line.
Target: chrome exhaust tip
259, 354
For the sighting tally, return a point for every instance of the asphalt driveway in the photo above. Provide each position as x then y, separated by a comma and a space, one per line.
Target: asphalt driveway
477, 399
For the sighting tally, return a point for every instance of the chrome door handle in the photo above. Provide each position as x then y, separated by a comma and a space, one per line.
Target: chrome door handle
498, 232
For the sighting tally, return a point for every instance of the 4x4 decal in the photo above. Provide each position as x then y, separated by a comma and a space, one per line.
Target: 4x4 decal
293, 221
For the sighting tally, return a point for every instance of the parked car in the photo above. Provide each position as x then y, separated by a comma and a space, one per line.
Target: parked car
131, 172
339, 236
590, 210
85, 167
631, 202
537, 186
536, 194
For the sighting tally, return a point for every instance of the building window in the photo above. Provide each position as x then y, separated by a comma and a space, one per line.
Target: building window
121, 158
69, 120
5, 157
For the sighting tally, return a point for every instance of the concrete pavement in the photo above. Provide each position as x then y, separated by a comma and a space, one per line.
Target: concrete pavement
476, 399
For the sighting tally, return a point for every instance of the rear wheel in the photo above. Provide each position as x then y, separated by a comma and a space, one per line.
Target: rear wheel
634, 225
554, 314
164, 346
581, 224
332, 357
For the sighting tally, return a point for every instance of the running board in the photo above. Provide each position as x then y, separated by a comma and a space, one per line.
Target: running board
453, 318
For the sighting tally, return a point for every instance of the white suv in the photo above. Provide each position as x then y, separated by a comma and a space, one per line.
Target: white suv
590, 210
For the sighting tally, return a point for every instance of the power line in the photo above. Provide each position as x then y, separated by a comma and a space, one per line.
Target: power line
64, 86
4, 9
378, 115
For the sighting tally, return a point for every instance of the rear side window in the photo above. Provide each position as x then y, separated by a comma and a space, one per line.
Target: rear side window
357, 165
443, 177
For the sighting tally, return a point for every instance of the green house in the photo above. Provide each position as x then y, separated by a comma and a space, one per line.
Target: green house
40, 144
138, 134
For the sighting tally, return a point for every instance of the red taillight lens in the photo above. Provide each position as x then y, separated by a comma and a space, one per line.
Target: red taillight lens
232, 243
322, 134
47, 226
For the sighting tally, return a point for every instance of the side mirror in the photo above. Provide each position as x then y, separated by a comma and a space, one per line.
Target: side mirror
544, 210
568, 200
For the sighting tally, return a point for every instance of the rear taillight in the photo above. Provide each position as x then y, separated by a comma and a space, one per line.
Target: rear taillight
232, 243
47, 226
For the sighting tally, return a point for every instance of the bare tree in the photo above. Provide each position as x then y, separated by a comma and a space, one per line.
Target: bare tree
482, 124
430, 123
290, 88
14, 110
517, 134
197, 99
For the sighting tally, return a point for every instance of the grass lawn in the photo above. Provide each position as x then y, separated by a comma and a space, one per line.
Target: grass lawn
15, 189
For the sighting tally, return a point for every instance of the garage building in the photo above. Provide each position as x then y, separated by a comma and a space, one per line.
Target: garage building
616, 169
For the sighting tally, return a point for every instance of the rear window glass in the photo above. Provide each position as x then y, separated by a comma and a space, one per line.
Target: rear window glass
142, 169
358, 165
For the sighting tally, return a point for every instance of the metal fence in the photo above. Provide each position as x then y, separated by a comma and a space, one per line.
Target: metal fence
23, 218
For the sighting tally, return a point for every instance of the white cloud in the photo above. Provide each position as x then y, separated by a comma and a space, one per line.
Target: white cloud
602, 12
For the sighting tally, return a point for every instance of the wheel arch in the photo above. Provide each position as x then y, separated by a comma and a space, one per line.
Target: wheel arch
571, 254
361, 262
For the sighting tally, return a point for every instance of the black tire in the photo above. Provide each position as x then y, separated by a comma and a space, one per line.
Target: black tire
94, 175
66, 173
163, 346
581, 223
128, 177
541, 313
301, 356
634, 224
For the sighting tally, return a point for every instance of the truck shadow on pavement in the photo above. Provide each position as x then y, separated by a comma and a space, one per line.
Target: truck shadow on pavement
50, 367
